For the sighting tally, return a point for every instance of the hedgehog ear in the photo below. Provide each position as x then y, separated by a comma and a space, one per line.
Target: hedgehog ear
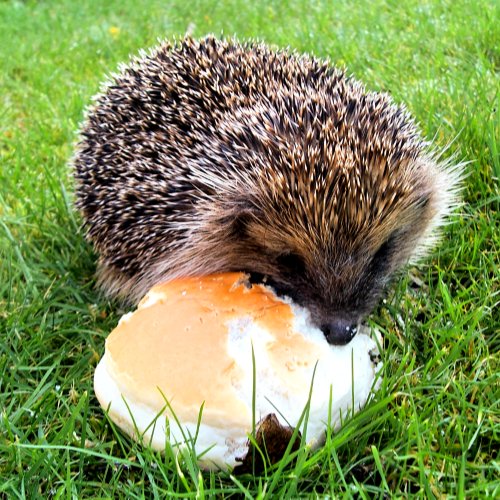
240, 220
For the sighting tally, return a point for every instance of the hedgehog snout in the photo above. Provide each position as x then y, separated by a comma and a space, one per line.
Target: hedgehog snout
339, 332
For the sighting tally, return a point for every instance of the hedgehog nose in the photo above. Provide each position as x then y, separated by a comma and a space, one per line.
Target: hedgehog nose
339, 332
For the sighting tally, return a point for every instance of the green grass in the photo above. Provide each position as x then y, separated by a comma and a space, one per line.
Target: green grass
433, 428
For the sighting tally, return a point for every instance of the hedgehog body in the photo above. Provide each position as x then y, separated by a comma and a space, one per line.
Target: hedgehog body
213, 156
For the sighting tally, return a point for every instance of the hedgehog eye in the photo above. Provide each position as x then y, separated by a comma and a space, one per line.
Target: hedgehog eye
291, 262
380, 260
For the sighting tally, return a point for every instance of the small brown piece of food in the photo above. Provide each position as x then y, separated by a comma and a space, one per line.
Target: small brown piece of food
271, 441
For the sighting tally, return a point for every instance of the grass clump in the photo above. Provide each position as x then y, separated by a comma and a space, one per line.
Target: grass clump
433, 428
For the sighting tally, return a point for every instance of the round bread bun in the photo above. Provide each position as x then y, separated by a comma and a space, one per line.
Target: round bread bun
223, 346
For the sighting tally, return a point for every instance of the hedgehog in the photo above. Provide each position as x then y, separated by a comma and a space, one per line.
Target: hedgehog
207, 156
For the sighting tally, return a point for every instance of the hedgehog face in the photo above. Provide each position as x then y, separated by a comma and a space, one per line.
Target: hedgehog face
337, 263
338, 291
339, 287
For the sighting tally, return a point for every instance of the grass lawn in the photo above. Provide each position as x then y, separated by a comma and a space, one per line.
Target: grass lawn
433, 428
